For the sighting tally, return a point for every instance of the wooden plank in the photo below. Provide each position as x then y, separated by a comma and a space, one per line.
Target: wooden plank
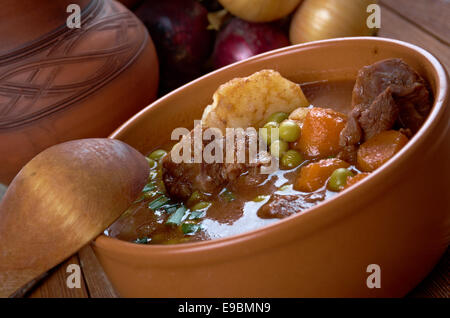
394, 26
97, 282
54, 286
430, 15
437, 284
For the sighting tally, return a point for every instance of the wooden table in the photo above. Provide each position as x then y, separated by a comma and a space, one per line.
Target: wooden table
425, 23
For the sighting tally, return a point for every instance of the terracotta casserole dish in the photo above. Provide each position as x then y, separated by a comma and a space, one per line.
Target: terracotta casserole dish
397, 218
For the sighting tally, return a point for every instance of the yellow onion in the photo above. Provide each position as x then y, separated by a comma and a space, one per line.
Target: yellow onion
260, 10
325, 19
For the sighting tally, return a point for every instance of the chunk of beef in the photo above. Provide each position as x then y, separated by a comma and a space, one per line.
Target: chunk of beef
181, 179
281, 206
408, 88
380, 115
386, 94
350, 136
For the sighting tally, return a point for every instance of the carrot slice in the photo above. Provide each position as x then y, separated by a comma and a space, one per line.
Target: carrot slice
355, 179
379, 149
320, 133
314, 176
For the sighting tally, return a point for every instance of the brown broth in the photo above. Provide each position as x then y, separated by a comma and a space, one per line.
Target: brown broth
223, 217
336, 95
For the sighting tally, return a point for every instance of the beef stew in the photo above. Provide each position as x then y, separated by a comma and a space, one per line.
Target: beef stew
348, 130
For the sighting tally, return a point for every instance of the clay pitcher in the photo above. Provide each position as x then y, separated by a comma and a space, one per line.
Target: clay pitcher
59, 83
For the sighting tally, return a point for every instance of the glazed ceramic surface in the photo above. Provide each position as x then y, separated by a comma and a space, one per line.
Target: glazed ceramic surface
58, 83
398, 218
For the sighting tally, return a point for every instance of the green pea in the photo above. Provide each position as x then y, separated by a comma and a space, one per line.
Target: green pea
278, 117
200, 206
338, 179
151, 163
278, 148
289, 131
266, 132
291, 159
157, 154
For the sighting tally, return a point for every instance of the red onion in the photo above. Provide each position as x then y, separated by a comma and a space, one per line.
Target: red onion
179, 30
239, 40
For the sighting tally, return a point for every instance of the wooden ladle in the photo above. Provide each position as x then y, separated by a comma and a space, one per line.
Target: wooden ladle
61, 200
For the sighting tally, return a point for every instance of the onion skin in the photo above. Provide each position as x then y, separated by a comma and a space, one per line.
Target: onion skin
179, 30
260, 10
324, 19
239, 40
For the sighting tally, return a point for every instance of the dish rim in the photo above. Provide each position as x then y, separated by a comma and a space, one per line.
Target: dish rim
312, 216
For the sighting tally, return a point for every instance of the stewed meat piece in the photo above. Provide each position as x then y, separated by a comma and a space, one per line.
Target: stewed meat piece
283, 205
181, 179
386, 94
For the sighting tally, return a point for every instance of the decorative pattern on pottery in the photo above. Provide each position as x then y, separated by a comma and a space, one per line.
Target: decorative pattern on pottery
67, 65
